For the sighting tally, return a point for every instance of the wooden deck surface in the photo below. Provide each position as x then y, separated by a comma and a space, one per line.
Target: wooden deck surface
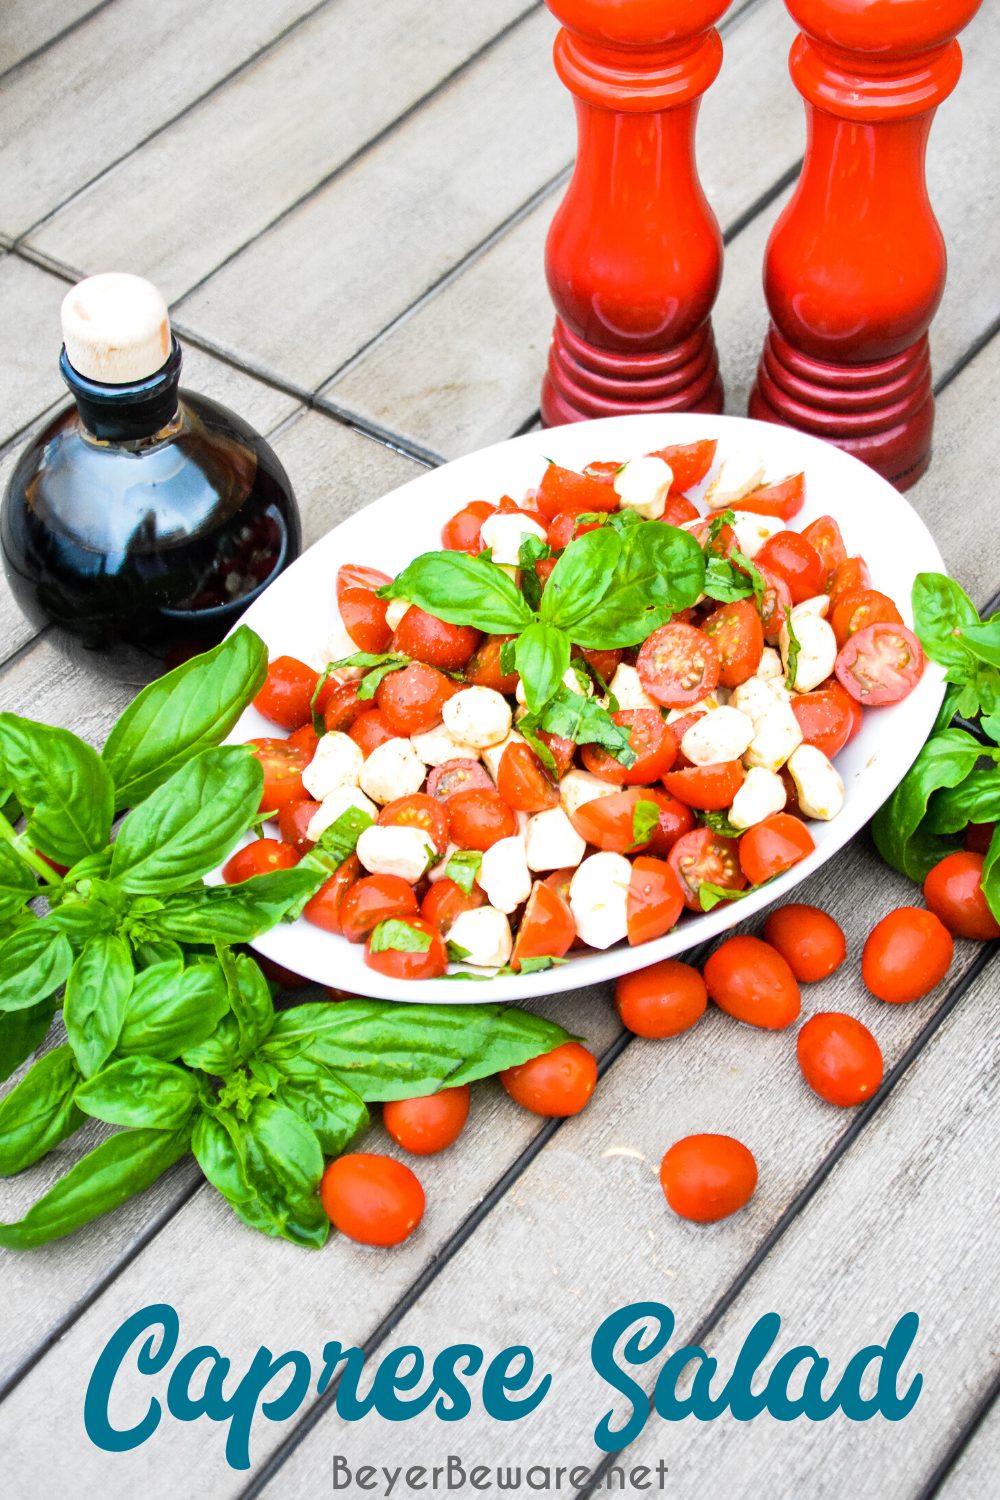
345, 203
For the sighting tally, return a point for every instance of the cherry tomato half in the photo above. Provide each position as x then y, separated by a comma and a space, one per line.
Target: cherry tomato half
323, 909
773, 845
286, 696
483, 669
840, 1059
678, 665
418, 810
445, 900
282, 765
370, 901
826, 718
479, 819
426, 638
954, 892
708, 788
370, 730
824, 535
608, 822
853, 573
372, 1199
411, 700
663, 1000
566, 490
702, 857
652, 742
427, 1125
906, 955
547, 927
357, 576
676, 819
262, 857
463, 533
881, 664
460, 775
796, 560
293, 823
737, 634
784, 499
809, 940
363, 614
708, 1177
750, 980
689, 463
521, 781
852, 612
416, 962
556, 1084
655, 899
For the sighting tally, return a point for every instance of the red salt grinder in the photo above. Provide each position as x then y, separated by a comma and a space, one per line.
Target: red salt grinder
855, 266
634, 254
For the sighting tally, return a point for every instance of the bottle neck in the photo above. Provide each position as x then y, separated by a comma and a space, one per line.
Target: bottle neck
126, 413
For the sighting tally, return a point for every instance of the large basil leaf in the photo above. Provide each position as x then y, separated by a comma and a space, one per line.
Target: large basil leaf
80, 920
220, 1052
268, 1168
945, 760
974, 800
324, 1101
585, 722
171, 1009
183, 713
249, 999
941, 611
661, 570
34, 962
17, 882
97, 991
542, 656
386, 1051
63, 786
189, 824
21, 1031
579, 579
463, 590
234, 913
990, 878
39, 1112
106, 1177
140, 1091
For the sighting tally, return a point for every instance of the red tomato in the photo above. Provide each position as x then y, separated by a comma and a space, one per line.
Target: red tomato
556, 1084
774, 845
655, 900
262, 857
840, 1059
708, 1177
784, 499
547, 928
852, 612
357, 576
460, 775
825, 536
564, 528
750, 980
604, 663
702, 857
978, 837
483, 669
563, 751
680, 728
663, 1000
679, 511
421, 962
522, 783
676, 819
737, 634
418, 810
293, 823
850, 575
603, 469
372, 1199
725, 540
826, 718
411, 700
463, 533
607, 822
434, 641
370, 730
652, 741
323, 909
954, 892
479, 819
370, 901
809, 940
565, 490
906, 955
363, 614
427, 1125
343, 706
689, 462
445, 901
776, 603
305, 739
792, 558
881, 664
279, 975
678, 665
286, 696
282, 765
708, 788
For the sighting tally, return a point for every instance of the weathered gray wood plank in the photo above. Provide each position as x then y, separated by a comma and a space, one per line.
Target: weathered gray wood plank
249, 151
975, 1474
85, 101
368, 244
30, 24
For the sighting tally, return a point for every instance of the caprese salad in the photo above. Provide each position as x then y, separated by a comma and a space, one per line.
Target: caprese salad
587, 711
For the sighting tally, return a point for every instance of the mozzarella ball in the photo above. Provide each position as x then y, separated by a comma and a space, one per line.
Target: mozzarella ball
493, 754
627, 688
437, 745
578, 682
504, 874
478, 715
578, 787
761, 795
717, 698
755, 698
643, 485
723, 734
753, 531
598, 898
819, 604
817, 652
551, 841
337, 761
394, 612
396, 850
394, 769
504, 532
336, 803
776, 737
818, 783
737, 476
770, 665
485, 935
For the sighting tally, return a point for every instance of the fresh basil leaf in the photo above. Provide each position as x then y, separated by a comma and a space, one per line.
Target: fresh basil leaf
234, 913
463, 590
324, 1102
720, 824
368, 685
339, 841
508, 650
974, 800
661, 570
220, 1053
530, 552
63, 786
645, 818
526, 729
34, 962
249, 998
990, 878
941, 612
170, 1010
947, 759
140, 1092
176, 717
725, 582
580, 578
267, 1168
386, 1051
159, 951
794, 647
106, 1177
457, 954
585, 722
81, 920
539, 964
39, 1112
463, 867
709, 895
189, 824
21, 1031
541, 658
97, 992
983, 640
399, 937
18, 883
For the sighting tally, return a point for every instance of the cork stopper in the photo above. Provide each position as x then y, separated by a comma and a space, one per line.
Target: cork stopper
116, 328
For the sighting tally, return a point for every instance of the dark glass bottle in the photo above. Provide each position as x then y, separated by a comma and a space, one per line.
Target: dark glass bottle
144, 519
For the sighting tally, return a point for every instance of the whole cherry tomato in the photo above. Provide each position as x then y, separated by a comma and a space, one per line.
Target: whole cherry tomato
547, 928
708, 1177
262, 857
445, 900
521, 781
737, 634
479, 819
655, 899
463, 533
796, 560
678, 665
286, 696
954, 892
370, 730
906, 955
427, 1125
342, 706
880, 664
357, 576
825, 536
370, 901
773, 845
750, 980
426, 638
293, 823
372, 1199
556, 1084
652, 742
809, 940
826, 718
282, 765
411, 700
565, 528
663, 1000
483, 669
406, 948
840, 1059
702, 857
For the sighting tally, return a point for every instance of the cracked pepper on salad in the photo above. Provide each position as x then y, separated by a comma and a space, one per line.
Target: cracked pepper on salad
591, 710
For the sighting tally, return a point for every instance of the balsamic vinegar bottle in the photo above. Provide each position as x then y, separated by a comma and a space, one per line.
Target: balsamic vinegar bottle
143, 519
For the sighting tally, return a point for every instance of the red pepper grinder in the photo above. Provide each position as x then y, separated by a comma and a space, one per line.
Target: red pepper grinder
634, 254
855, 266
